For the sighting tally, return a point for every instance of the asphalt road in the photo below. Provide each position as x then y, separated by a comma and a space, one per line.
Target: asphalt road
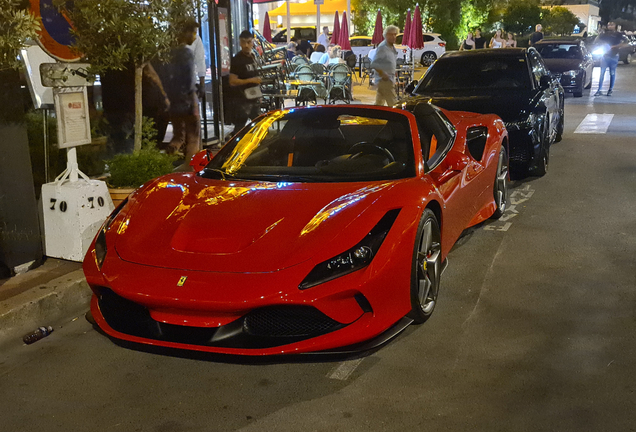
534, 331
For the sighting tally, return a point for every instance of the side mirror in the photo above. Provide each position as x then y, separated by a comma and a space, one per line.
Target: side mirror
456, 161
200, 160
410, 88
545, 80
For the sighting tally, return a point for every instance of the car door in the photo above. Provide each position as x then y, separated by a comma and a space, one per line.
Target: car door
550, 91
450, 169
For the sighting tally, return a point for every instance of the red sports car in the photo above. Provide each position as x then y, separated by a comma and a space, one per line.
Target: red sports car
320, 229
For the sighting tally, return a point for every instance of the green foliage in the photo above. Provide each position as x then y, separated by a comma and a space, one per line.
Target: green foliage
559, 20
17, 24
521, 16
133, 170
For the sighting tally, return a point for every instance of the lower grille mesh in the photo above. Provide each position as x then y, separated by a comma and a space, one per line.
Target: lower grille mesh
288, 321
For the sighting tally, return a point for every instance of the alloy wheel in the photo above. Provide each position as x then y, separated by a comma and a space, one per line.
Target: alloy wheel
501, 184
429, 264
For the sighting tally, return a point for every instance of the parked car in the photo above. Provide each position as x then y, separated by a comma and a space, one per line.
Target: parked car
568, 61
307, 33
361, 45
434, 48
513, 83
313, 229
625, 53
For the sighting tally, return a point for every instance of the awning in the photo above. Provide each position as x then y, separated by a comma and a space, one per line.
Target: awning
309, 8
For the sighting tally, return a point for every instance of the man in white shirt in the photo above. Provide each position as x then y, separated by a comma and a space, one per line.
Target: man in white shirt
384, 63
199, 64
323, 39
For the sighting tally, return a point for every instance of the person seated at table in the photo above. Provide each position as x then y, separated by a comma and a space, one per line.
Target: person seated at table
305, 47
317, 55
325, 57
291, 50
335, 55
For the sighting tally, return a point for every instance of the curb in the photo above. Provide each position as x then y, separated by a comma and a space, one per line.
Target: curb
47, 304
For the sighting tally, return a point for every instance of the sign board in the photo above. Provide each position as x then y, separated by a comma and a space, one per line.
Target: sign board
73, 122
319, 2
33, 56
54, 35
66, 74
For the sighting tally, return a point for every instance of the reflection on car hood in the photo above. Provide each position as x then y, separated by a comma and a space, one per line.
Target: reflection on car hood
562, 65
191, 223
509, 104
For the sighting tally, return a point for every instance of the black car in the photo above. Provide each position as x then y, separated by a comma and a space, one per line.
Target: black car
298, 33
625, 52
568, 61
513, 83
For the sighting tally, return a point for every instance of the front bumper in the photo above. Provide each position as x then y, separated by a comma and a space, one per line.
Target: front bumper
524, 144
570, 83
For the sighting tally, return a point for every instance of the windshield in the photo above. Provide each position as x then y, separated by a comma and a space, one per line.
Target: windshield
559, 51
475, 72
321, 144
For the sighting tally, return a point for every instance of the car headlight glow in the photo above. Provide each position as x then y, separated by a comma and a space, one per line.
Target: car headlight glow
100, 241
572, 73
353, 259
599, 51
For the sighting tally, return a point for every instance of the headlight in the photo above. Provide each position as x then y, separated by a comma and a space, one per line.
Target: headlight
572, 73
523, 124
100, 241
599, 51
353, 259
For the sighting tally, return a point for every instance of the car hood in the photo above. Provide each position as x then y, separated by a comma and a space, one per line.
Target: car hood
562, 65
510, 105
191, 223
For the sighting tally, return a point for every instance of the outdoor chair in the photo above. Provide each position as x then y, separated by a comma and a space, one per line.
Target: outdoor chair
321, 72
309, 92
340, 79
351, 61
367, 72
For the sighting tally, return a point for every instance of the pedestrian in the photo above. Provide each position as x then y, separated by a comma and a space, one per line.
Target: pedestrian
316, 55
245, 81
612, 42
511, 42
468, 43
480, 41
384, 63
497, 41
537, 35
182, 93
291, 50
323, 39
305, 47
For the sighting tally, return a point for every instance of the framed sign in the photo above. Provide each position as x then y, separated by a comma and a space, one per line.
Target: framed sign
33, 56
73, 122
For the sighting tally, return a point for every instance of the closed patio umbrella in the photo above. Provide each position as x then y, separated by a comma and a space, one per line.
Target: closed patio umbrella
343, 40
267, 29
378, 30
407, 28
335, 34
416, 38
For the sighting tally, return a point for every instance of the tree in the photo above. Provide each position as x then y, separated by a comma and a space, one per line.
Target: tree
17, 24
521, 16
559, 20
114, 34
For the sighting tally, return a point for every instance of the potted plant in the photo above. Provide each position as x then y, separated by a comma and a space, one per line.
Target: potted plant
17, 24
128, 171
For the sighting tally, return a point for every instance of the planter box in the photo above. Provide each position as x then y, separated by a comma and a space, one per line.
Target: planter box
119, 194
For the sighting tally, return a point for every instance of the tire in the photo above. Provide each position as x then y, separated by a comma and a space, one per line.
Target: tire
579, 92
500, 189
541, 168
589, 86
426, 268
628, 58
428, 58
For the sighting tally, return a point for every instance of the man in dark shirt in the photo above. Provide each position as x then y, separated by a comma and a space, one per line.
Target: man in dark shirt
537, 35
613, 41
245, 82
479, 39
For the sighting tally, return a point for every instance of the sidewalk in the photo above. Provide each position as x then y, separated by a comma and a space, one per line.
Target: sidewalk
57, 291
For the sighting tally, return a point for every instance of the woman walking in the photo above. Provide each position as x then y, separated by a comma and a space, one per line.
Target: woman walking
497, 41
511, 42
468, 43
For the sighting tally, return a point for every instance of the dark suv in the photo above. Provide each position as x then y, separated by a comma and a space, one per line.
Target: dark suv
298, 33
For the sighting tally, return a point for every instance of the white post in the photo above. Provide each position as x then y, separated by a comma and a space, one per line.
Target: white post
318, 30
288, 25
349, 17
71, 164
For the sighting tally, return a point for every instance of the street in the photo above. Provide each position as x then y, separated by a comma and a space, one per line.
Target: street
535, 330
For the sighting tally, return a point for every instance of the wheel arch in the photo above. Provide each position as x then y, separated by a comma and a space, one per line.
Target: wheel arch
436, 208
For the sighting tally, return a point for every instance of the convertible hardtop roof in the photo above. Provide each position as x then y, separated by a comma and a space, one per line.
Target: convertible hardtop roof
488, 52
565, 39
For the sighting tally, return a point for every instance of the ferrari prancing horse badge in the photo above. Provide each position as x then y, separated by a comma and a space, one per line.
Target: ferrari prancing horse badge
181, 281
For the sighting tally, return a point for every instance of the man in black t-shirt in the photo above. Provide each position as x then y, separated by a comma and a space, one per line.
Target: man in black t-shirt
613, 41
245, 82
480, 41
537, 35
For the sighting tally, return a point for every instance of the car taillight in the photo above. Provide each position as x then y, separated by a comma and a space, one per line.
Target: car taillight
441, 44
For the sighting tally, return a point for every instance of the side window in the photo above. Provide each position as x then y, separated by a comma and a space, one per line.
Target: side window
435, 136
428, 38
538, 68
398, 41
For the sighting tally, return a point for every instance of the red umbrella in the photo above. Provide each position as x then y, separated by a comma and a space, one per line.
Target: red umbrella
416, 38
343, 39
407, 29
378, 31
267, 29
336, 30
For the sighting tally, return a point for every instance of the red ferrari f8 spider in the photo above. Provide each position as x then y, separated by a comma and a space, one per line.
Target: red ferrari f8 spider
321, 229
